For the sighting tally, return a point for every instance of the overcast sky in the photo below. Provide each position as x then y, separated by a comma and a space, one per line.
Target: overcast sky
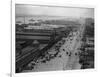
53, 11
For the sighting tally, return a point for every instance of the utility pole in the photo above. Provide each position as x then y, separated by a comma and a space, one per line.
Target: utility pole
24, 19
